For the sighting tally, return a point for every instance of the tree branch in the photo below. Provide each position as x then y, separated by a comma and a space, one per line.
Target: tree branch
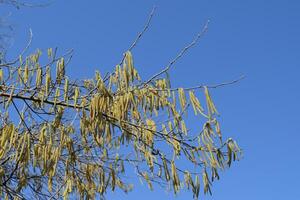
181, 53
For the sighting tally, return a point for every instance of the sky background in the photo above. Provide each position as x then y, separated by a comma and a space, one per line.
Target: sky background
259, 39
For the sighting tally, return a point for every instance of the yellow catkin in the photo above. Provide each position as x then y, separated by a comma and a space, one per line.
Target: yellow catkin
48, 80
10, 97
56, 97
176, 182
38, 80
182, 98
26, 74
76, 95
210, 105
66, 89
195, 103
1, 75
49, 51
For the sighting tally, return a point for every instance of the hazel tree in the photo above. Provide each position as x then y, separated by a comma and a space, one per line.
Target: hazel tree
61, 137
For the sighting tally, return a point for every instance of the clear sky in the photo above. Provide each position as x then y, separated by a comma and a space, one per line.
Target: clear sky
259, 39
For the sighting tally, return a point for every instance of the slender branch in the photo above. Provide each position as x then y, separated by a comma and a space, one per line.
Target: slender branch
137, 39
22, 52
181, 53
139, 36
19, 4
144, 30
208, 86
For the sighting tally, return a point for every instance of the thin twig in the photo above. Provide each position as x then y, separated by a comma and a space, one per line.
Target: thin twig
137, 39
22, 52
225, 83
208, 86
19, 4
181, 53
144, 30
20, 115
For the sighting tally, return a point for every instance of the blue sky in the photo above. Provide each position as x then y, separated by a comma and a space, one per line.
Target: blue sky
259, 39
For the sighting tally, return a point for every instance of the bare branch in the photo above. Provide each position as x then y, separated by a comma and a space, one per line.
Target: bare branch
139, 36
208, 86
137, 39
181, 53
144, 30
18, 4
22, 52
